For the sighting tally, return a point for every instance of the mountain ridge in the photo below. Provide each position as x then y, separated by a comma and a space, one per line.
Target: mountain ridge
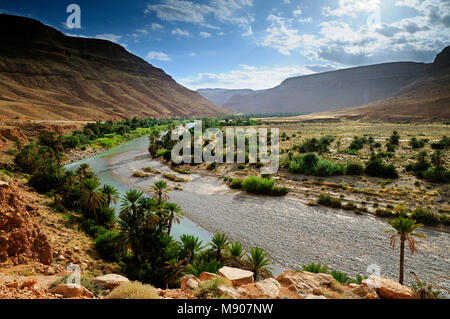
45, 74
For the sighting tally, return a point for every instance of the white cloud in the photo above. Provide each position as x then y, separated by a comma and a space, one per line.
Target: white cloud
251, 77
352, 8
156, 26
160, 56
281, 36
110, 37
223, 11
297, 13
205, 34
180, 32
192, 54
348, 42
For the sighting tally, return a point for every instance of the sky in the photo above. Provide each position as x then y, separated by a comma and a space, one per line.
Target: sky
255, 44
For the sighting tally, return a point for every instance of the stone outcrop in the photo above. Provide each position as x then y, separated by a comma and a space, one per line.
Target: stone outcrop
110, 281
21, 239
305, 282
237, 276
388, 288
71, 291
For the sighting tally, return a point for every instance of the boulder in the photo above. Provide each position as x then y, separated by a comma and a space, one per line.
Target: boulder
388, 288
71, 291
305, 282
29, 282
110, 281
237, 276
288, 292
229, 291
189, 282
364, 292
205, 276
12, 284
269, 287
250, 291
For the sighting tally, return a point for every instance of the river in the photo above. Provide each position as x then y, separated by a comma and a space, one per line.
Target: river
291, 233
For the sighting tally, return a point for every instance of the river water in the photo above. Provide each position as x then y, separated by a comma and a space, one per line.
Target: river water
291, 233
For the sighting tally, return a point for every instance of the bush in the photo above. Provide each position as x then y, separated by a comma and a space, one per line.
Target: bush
106, 246
316, 268
133, 290
210, 288
211, 166
327, 200
236, 183
326, 168
279, 191
203, 265
394, 139
354, 168
425, 216
437, 175
416, 143
358, 143
258, 185
445, 219
376, 168
340, 276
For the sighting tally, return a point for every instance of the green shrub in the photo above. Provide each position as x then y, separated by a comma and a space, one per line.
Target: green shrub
203, 265
416, 143
376, 168
437, 175
425, 216
340, 276
316, 268
445, 219
327, 200
236, 183
326, 168
210, 288
258, 185
211, 166
279, 191
354, 168
106, 246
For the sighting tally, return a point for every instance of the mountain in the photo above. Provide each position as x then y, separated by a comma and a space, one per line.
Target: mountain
49, 76
331, 90
221, 96
424, 98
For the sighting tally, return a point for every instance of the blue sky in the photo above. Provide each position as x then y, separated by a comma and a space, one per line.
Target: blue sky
256, 43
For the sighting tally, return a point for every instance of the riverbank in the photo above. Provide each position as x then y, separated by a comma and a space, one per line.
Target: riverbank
292, 233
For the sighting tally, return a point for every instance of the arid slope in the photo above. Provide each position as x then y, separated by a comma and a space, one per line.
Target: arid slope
49, 76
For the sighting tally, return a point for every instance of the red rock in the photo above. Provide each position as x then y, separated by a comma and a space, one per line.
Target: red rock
237, 276
29, 282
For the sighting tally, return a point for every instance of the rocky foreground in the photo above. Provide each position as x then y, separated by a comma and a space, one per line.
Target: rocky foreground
231, 283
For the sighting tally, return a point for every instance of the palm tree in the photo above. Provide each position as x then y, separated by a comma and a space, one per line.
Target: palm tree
218, 243
111, 194
235, 250
82, 171
91, 197
130, 223
129, 202
190, 247
404, 228
160, 192
257, 261
175, 214
148, 207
